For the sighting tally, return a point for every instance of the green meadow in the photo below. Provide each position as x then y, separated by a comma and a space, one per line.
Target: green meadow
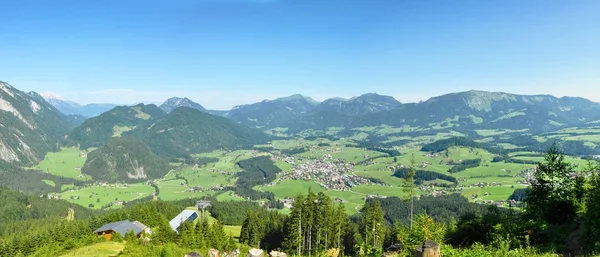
66, 163
100, 196
104, 249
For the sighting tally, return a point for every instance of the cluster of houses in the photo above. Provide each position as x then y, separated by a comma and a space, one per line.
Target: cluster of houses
331, 175
289, 201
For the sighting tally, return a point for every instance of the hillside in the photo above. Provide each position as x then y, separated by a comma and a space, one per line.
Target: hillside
69, 107
124, 159
185, 131
174, 102
94, 132
16, 206
29, 126
269, 112
463, 111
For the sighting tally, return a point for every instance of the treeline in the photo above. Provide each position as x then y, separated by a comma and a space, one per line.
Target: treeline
465, 164
370, 147
292, 151
15, 206
232, 213
266, 149
314, 225
56, 236
519, 195
424, 175
444, 144
390, 152
200, 161
32, 181
443, 209
259, 170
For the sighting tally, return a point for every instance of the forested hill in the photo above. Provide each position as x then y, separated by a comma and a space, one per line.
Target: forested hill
94, 132
124, 159
16, 206
187, 130
29, 126
462, 111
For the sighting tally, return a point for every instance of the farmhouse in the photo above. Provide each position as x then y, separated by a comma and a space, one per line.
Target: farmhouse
122, 227
186, 215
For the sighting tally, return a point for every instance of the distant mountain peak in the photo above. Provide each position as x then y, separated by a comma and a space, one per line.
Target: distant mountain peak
52, 96
174, 102
298, 97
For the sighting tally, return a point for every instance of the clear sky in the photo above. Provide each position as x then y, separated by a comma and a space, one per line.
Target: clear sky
221, 53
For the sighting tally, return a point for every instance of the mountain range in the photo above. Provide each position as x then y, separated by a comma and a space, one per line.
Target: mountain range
69, 107
31, 125
461, 111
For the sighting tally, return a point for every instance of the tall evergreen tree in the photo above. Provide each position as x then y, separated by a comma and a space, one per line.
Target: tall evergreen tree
293, 227
187, 235
373, 223
199, 235
409, 187
550, 197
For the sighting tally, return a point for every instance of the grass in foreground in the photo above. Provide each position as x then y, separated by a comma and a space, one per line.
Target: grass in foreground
98, 250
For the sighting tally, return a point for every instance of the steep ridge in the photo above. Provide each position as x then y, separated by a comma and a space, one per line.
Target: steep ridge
29, 126
124, 159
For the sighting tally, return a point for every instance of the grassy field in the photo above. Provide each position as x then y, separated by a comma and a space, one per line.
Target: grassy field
66, 163
100, 196
49, 182
104, 249
227, 196
227, 160
118, 130
291, 188
206, 178
176, 189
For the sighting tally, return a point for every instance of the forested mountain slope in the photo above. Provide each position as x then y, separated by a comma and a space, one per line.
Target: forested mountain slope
124, 159
94, 132
186, 130
29, 126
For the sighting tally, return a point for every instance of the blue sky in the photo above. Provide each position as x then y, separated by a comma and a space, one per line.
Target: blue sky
221, 53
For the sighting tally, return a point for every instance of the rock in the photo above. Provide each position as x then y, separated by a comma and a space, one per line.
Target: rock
193, 254
429, 249
277, 254
214, 253
256, 253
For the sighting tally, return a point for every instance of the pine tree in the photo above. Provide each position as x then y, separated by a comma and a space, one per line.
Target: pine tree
251, 230
373, 223
130, 237
409, 187
550, 197
309, 219
199, 233
116, 237
186, 235
209, 239
294, 239
219, 236
231, 244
